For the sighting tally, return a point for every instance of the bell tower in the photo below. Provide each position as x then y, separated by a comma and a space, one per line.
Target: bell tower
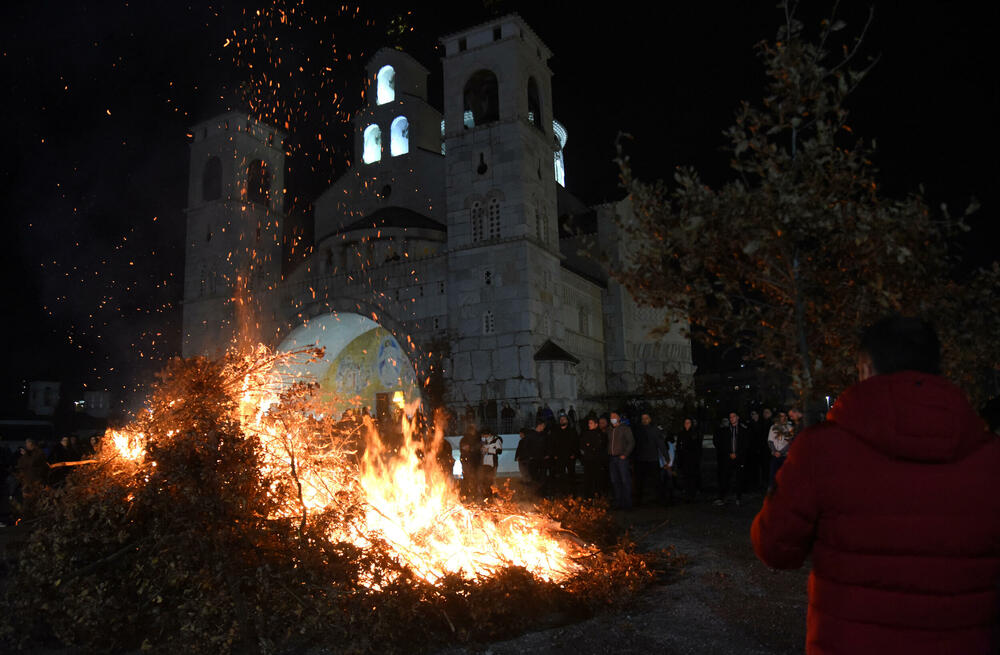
235, 217
501, 200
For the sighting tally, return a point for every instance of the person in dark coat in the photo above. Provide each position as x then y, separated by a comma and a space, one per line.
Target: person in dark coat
896, 497
470, 455
594, 457
32, 468
567, 443
759, 452
732, 443
621, 443
547, 456
652, 459
526, 456
688, 464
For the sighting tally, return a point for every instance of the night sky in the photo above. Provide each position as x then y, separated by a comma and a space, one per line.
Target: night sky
100, 98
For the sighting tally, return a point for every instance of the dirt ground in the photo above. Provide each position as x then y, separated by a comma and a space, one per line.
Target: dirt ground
724, 601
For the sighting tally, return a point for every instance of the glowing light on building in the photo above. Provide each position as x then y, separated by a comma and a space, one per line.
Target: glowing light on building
399, 141
385, 86
373, 144
560, 164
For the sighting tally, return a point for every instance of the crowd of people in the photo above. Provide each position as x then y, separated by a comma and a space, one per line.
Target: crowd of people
37, 465
632, 459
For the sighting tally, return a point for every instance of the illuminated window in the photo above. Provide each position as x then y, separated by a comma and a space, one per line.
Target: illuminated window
211, 180
482, 98
534, 105
489, 324
399, 142
258, 182
385, 85
373, 144
493, 219
478, 219
560, 163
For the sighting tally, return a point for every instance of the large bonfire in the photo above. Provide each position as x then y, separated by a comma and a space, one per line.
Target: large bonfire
233, 514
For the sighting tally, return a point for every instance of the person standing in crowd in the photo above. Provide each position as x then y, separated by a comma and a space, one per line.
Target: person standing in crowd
689, 458
621, 443
470, 455
61, 452
731, 445
758, 453
593, 455
604, 425
778, 440
545, 455
32, 468
652, 460
526, 456
763, 430
795, 416
568, 445
491, 447
897, 498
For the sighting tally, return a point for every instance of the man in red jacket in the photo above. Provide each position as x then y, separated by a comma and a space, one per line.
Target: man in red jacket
897, 498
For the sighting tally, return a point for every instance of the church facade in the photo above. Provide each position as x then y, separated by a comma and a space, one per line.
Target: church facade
450, 232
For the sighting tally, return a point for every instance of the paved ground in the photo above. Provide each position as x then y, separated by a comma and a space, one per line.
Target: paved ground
725, 601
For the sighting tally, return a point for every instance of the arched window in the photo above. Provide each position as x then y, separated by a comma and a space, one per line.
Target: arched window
385, 85
258, 182
478, 220
373, 144
534, 105
399, 143
211, 180
493, 219
482, 98
541, 223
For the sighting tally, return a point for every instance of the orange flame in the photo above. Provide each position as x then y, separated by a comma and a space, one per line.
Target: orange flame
410, 503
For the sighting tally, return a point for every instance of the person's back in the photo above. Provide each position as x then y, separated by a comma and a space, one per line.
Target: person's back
897, 497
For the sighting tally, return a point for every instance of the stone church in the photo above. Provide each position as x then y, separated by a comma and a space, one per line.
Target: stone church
452, 243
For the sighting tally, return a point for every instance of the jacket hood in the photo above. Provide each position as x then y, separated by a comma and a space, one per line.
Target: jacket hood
911, 415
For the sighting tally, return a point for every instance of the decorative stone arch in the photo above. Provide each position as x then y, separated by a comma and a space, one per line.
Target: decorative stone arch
359, 299
481, 96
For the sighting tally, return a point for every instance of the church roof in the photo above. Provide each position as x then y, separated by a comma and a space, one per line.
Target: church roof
550, 352
395, 217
